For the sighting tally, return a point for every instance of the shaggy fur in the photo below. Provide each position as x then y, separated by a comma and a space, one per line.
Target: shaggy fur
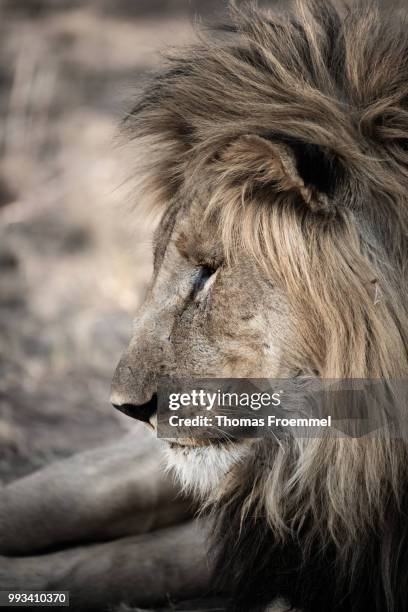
296, 126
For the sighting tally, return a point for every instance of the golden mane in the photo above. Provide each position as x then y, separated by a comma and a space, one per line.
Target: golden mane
327, 86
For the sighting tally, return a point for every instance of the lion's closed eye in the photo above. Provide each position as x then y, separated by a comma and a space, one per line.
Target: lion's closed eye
203, 280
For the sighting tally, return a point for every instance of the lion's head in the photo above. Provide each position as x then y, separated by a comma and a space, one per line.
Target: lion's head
278, 150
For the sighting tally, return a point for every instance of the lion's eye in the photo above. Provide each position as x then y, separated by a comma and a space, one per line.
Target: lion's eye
201, 279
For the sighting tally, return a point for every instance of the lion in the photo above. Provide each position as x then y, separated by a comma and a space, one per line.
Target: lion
278, 153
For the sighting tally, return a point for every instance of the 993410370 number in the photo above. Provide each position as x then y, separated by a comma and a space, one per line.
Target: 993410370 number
34, 598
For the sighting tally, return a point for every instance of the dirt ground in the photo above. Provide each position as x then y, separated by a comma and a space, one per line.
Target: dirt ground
74, 261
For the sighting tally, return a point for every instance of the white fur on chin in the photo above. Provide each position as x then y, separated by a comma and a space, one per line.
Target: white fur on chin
201, 469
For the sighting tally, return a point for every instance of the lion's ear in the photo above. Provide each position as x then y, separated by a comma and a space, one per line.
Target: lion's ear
284, 165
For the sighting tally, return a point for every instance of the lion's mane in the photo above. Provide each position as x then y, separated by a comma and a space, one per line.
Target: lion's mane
296, 125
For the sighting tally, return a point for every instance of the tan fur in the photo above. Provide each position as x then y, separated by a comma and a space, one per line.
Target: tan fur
217, 130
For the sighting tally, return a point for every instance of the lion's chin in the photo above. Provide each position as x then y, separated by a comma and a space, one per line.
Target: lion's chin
202, 466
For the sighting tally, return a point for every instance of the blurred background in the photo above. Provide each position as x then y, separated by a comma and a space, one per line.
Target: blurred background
74, 263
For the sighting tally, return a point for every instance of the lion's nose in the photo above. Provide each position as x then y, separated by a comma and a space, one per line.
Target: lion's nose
143, 412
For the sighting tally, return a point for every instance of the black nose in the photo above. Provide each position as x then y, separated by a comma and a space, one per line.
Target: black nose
143, 412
